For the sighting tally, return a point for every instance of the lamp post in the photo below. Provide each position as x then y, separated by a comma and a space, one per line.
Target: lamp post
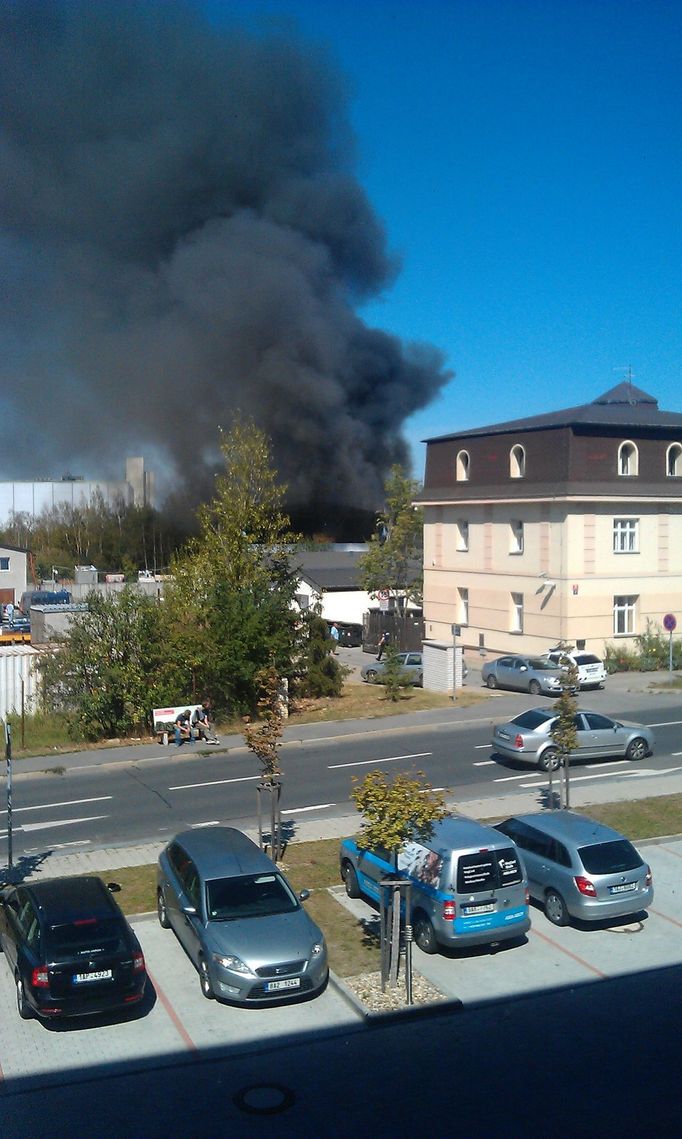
8, 757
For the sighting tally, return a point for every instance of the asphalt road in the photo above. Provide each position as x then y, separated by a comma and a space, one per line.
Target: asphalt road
148, 793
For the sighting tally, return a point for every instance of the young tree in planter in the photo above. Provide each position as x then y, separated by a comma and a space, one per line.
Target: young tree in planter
564, 731
264, 738
393, 675
394, 812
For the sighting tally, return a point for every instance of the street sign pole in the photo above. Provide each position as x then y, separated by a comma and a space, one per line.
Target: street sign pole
670, 623
8, 757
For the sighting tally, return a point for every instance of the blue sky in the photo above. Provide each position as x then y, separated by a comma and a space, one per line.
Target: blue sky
525, 158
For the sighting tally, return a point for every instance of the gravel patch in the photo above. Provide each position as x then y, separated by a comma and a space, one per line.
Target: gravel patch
366, 987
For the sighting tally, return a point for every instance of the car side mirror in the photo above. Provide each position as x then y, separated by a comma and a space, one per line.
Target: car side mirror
304, 895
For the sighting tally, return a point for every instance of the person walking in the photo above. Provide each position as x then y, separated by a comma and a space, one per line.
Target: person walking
385, 638
334, 634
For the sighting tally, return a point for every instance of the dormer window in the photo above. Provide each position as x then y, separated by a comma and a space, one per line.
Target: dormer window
517, 462
673, 461
628, 459
462, 468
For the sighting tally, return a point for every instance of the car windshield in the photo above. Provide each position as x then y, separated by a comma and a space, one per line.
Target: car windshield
610, 857
533, 718
251, 896
541, 664
83, 936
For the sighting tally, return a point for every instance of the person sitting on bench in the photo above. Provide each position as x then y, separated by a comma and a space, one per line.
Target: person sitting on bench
201, 722
183, 728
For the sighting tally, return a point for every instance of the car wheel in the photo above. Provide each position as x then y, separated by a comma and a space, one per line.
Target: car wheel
350, 880
555, 908
23, 1007
637, 749
424, 935
371, 675
549, 760
491, 681
205, 980
161, 910
534, 688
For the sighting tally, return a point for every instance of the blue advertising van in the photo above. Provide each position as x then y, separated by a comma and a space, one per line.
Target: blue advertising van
469, 883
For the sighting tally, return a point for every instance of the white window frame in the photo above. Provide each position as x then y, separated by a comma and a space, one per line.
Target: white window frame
462, 466
628, 459
517, 462
516, 536
673, 461
516, 615
462, 536
626, 535
463, 609
625, 615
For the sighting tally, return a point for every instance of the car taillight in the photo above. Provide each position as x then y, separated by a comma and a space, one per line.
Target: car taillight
586, 887
448, 911
138, 962
40, 978
649, 877
518, 742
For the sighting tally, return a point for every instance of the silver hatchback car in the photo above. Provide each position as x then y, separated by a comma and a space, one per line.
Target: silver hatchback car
578, 868
528, 738
238, 919
526, 674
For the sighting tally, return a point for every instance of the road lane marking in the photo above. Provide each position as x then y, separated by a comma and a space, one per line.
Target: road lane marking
300, 810
389, 759
510, 778
484, 763
651, 771
76, 842
666, 724
28, 827
67, 803
481, 747
215, 783
213, 823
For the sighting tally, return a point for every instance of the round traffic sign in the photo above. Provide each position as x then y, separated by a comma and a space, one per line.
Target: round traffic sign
670, 622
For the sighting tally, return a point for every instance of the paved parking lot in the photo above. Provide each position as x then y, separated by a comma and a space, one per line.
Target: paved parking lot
176, 1019
565, 956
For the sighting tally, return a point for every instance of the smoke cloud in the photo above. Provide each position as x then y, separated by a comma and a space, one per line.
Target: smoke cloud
183, 237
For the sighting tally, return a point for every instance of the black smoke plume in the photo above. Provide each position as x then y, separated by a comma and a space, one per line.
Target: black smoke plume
182, 236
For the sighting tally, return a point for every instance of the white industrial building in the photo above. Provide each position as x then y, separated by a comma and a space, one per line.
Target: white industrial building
32, 498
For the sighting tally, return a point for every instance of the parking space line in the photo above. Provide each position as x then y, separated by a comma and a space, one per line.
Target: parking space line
669, 850
569, 953
184, 1034
666, 917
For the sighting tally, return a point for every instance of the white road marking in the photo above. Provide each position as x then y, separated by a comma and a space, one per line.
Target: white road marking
68, 803
481, 747
389, 759
59, 823
76, 842
213, 823
300, 810
509, 778
484, 763
215, 783
610, 763
666, 724
651, 771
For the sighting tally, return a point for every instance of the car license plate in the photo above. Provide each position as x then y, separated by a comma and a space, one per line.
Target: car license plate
503, 735
100, 975
624, 889
484, 908
291, 983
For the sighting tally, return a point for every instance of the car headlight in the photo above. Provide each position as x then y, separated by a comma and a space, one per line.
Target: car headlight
317, 948
234, 964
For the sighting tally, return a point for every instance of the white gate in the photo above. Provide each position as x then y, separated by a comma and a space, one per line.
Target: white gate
17, 664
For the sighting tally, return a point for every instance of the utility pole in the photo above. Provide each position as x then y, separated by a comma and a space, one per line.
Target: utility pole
8, 757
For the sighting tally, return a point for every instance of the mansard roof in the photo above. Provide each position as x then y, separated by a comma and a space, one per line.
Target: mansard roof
623, 406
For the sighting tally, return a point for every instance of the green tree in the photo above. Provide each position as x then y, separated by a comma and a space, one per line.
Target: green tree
563, 731
107, 672
394, 560
393, 676
394, 812
321, 672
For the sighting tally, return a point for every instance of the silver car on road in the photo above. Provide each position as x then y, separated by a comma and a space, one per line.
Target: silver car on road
526, 674
528, 738
578, 868
238, 919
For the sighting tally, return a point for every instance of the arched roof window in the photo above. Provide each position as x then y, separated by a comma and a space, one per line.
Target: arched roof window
462, 467
673, 461
517, 462
628, 459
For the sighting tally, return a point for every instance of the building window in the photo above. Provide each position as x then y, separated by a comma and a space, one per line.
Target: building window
463, 615
516, 613
626, 535
673, 461
624, 615
516, 536
628, 459
4, 564
462, 469
517, 462
462, 535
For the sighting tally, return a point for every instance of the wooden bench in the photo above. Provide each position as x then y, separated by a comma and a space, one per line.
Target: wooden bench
164, 721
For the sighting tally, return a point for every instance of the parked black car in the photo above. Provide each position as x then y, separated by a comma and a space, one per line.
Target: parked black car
70, 949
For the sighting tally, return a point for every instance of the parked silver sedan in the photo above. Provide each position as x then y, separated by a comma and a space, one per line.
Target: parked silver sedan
528, 738
411, 667
238, 919
526, 674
